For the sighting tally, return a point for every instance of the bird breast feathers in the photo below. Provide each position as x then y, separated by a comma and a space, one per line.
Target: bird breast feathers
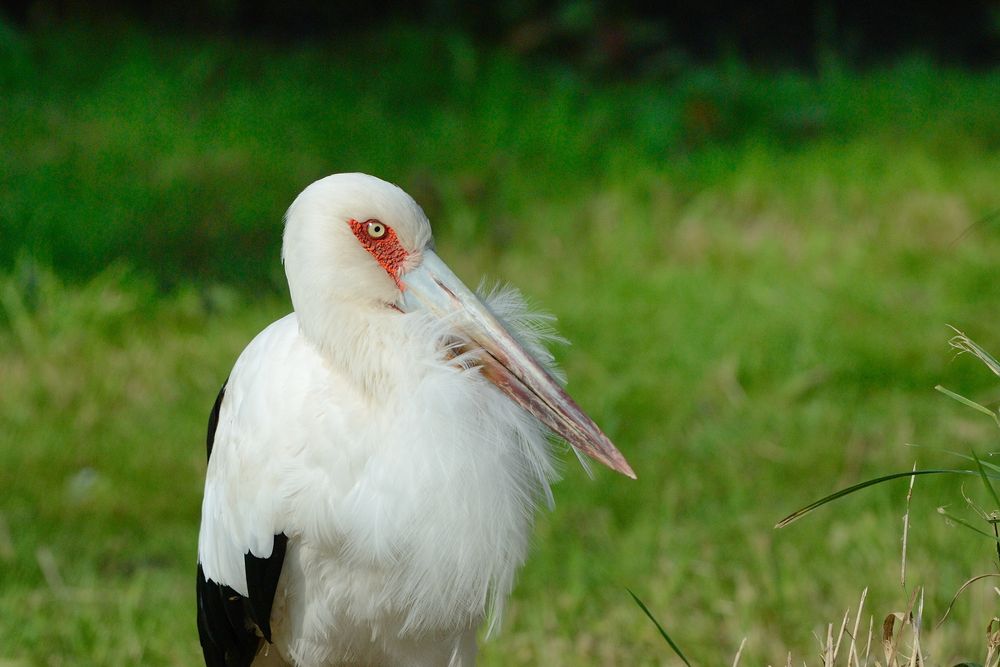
433, 480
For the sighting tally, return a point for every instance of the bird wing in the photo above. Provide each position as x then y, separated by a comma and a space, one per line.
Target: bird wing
231, 625
253, 430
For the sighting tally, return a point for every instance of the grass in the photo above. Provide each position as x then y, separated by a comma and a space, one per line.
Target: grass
756, 271
897, 650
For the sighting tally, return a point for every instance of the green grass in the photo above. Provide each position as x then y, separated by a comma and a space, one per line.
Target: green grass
756, 271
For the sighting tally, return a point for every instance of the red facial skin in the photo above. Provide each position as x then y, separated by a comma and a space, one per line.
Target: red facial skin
387, 250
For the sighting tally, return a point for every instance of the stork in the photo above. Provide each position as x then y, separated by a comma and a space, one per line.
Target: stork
375, 457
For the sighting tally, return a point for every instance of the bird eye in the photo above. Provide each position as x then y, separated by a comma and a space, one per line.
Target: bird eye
375, 229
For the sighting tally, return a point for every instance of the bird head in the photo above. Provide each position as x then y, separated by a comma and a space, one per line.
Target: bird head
357, 241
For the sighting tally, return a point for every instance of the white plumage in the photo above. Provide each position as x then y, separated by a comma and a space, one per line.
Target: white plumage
374, 429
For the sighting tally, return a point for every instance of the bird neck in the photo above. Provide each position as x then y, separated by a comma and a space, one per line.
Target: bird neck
371, 345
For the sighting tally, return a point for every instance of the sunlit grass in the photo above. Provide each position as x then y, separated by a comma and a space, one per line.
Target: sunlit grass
757, 300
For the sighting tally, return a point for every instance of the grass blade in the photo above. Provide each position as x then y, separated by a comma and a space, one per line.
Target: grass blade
992, 466
986, 481
970, 403
906, 529
963, 343
659, 627
962, 522
961, 588
798, 514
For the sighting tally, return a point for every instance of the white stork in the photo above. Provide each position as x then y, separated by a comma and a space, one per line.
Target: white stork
375, 456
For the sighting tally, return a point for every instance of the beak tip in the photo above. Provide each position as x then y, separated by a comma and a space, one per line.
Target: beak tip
622, 466
605, 452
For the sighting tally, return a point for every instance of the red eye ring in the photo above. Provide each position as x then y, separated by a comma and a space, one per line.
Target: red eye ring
381, 242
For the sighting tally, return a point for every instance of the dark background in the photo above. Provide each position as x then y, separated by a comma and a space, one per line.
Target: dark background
620, 36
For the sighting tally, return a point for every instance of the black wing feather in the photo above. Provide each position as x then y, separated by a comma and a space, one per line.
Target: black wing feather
226, 639
231, 627
213, 420
262, 581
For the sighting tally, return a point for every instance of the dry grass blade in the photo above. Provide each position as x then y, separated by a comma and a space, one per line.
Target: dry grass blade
917, 658
888, 632
739, 652
853, 653
892, 633
963, 343
960, 590
840, 635
906, 529
992, 643
871, 633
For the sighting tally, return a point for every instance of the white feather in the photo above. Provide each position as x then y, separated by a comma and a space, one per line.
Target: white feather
413, 510
405, 482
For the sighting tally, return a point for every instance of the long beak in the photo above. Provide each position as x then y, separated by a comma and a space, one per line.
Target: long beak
432, 286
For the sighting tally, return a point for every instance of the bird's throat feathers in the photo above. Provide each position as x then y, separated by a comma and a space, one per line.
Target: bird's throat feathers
378, 349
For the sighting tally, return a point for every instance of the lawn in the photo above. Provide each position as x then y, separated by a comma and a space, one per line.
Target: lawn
756, 270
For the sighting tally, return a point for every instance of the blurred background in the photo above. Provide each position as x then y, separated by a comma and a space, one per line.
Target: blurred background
755, 224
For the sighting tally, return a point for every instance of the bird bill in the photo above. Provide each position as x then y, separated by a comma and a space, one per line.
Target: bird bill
433, 287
